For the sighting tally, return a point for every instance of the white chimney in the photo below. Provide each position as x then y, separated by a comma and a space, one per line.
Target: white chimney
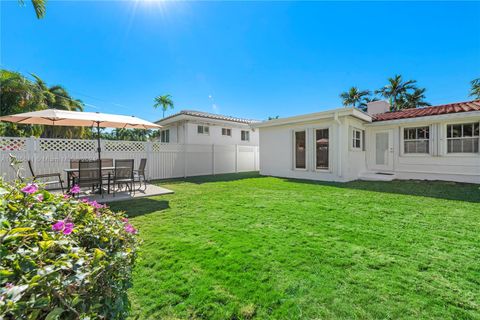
376, 107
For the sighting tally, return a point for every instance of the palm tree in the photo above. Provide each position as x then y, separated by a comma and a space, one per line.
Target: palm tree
413, 100
57, 97
353, 97
475, 90
164, 102
18, 94
396, 89
39, 6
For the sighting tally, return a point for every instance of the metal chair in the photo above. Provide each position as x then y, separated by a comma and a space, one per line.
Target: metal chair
123, 175
46, 175
88, 175
140, 173
107, 173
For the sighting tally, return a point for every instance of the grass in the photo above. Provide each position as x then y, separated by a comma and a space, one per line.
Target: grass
251, 247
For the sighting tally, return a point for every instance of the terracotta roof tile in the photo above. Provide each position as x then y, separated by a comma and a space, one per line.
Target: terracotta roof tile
429, 111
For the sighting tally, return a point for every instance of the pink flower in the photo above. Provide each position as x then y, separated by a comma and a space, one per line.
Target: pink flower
59, 225
30, 188
39, 197
125, 220
130, 229
75, 189
62, 226
68, 228
66, 196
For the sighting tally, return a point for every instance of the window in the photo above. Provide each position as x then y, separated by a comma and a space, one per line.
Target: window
463, 138
226, 132
165, 136
357, 139
300, 152
321, 148
416, 140
245, 135
203, 130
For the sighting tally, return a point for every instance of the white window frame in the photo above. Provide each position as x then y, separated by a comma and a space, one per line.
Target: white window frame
295, 150
165, 134
329, 168
354, 138
241, 135
447, 138
403, 140
203, 129
228, 130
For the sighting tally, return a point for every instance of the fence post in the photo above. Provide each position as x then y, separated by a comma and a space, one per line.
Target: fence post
255, 158
213, 159
148, 151
31, 149
236, 158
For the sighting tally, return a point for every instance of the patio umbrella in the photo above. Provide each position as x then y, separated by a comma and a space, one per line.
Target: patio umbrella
53, 117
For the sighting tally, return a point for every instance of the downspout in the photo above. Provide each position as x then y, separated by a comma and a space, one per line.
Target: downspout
339, 152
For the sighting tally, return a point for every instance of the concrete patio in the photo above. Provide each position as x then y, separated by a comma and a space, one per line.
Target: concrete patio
149, 191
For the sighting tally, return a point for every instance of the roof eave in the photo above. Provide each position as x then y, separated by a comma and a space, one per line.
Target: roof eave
314, 116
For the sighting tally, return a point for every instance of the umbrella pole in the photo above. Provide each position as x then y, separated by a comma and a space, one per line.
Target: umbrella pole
99, 150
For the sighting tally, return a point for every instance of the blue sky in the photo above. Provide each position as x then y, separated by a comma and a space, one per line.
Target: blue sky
254, 59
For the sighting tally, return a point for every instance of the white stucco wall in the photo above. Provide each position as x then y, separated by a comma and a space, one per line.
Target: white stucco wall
347, 163
185, 132
438, 165
277, 148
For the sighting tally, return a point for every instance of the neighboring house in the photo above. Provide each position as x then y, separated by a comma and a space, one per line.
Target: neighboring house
196, 127
432, 143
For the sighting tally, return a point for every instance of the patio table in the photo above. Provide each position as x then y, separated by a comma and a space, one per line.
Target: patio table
70, 172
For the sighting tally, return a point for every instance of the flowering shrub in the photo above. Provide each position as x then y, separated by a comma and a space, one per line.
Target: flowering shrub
62, 258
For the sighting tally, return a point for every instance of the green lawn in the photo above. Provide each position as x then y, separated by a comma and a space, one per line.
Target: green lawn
245, 246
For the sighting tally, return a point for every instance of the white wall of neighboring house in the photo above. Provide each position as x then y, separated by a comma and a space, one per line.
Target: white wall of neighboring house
347, 163
186, 132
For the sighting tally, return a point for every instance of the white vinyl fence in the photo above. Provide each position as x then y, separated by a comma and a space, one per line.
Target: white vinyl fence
163, 160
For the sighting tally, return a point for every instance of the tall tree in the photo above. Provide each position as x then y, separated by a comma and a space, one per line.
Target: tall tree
39, 6
57, 97
416, 99
163, 102
353, 97
475, 90
396, 89
18, 94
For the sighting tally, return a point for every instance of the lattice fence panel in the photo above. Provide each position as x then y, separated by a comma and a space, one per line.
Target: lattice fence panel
67, 145
125, 146
12, 144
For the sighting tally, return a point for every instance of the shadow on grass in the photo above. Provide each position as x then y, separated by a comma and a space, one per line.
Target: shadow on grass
433, 189
211, 178
140, 207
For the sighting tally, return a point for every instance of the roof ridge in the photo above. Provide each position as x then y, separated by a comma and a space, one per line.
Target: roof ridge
209, 115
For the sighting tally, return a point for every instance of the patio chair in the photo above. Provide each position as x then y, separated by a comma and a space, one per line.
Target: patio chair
140, 173
123, 175
88, 175
46, 175
109, 172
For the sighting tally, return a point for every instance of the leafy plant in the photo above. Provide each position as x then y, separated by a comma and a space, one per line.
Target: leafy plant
62, 258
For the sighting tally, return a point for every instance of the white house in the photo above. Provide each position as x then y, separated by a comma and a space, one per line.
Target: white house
432, 143
196, 127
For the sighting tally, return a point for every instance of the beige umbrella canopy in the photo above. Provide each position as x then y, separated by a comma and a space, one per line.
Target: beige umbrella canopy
53, 117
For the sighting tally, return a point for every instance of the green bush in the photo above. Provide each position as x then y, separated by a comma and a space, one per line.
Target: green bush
62, 258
